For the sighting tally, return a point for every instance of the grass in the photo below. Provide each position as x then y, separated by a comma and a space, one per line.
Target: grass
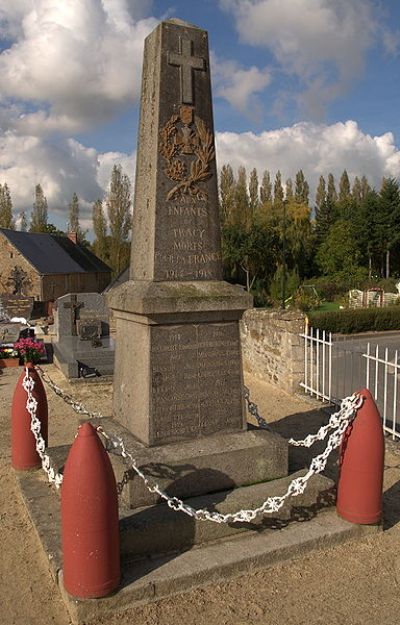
326, 306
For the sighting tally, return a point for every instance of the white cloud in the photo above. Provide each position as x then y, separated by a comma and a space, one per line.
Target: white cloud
322, 42
62, 168
66, 166
239, 85
79, 62
316, 148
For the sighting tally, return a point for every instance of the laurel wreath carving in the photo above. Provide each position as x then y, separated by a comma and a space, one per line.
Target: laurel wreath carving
171, 146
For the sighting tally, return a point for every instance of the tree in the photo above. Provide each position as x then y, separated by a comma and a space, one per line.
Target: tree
6, 215
289, 190
265, 204
388, 222
278, 191
366, 232
356, 191
365, 187
118, 204
39, 212
266, 188
331, 190
23, 222
320, 195
338, 256
344, 187
227, 193
253, 193
100, 245
242, 200
302, 188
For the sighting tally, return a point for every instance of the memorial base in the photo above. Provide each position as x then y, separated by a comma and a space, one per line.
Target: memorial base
178, 365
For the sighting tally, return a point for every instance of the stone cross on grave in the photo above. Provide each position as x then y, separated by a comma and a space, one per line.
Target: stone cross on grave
74, 305
186, 63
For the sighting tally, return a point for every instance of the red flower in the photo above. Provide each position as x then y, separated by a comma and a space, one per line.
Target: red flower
30, 350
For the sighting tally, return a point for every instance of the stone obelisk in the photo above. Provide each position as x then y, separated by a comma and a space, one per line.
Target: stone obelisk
178, 369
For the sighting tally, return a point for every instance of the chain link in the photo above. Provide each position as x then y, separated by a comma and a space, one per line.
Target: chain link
31, 406
338, 422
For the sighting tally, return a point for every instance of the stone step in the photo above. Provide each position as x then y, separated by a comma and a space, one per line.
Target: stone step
149, 579
158, 529
196, 467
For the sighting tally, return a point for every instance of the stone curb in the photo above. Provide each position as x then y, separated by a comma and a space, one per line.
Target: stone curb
150, 579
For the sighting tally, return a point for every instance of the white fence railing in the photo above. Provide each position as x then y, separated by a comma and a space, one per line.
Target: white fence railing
382, 378
334, 369
317, 363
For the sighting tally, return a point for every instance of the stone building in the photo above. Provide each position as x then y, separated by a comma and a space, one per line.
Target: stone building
47, 266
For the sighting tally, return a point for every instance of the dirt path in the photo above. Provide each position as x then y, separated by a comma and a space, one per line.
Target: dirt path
353, 584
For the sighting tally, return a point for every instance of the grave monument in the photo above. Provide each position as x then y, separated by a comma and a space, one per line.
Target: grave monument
83, 344
178, 381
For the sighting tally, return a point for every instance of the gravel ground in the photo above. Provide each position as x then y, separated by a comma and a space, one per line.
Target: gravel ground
352, 584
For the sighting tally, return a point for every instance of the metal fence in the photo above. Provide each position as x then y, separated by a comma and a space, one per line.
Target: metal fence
382, 379
317, 363
335, 368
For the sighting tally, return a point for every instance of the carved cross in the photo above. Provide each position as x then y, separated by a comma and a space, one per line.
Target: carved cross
74, 305
186, 63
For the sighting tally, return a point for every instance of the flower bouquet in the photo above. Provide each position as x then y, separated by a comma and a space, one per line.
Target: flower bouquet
30, 350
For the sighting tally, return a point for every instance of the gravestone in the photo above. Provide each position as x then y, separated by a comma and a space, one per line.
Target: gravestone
82, 331
178, 369
16, 305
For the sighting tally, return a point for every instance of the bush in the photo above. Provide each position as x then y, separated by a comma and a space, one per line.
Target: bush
327, 288
357, 320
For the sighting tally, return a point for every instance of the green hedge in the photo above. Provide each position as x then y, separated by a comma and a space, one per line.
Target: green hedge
350, 321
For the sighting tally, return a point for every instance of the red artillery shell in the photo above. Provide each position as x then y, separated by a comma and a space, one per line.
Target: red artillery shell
89, 519
23, 445
359, 498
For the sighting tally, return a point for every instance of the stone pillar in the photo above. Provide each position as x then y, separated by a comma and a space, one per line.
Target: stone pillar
178, 369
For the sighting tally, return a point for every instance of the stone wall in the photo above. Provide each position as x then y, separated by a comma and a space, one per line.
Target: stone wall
272, 348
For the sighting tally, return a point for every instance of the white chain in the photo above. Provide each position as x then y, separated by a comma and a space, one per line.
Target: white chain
31, 406
338, 422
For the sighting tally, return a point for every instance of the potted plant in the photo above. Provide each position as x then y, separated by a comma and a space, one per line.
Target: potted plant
30, 351
9, 356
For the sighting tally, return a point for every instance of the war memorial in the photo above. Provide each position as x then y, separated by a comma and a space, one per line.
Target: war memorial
178, 396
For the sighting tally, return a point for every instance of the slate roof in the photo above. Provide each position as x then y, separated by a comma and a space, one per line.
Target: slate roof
119, 279
51, 254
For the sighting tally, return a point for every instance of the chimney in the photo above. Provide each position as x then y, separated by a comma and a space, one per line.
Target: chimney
73, 236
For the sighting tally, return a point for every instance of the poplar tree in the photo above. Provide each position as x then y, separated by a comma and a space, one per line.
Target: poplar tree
331, 189
242, 200
323, 212
100, 245
6, 216
226, 193
39, 212
289, 190
356, 191
266, 188
253, 193
23, 222
302, 188
320, 195
344, 187
73, 220
118, 204
278, 190
365, 187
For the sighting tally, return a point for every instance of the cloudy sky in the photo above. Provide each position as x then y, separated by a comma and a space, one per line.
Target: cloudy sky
312, 84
